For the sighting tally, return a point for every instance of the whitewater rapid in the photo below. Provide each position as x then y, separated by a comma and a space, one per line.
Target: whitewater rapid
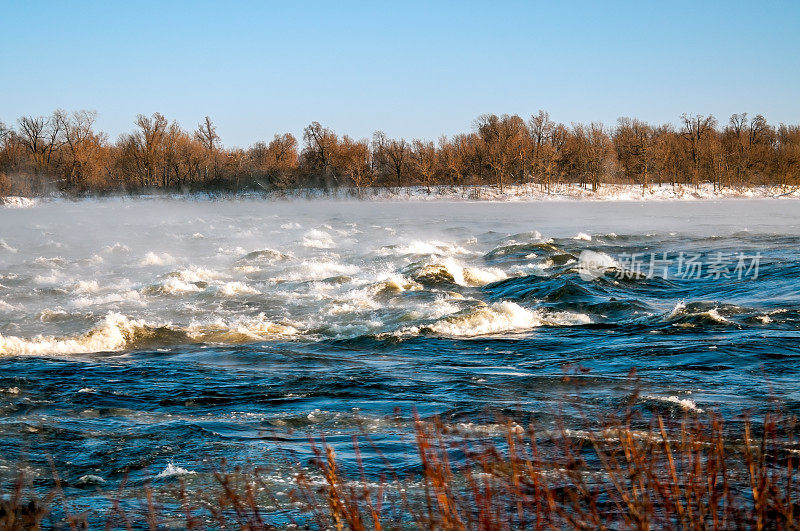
97, 276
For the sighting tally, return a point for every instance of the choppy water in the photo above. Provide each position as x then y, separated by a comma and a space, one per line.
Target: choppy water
142, 337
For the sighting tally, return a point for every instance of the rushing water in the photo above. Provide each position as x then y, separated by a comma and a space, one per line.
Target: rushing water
143, 338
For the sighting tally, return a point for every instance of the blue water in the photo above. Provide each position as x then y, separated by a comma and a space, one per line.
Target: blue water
146, 340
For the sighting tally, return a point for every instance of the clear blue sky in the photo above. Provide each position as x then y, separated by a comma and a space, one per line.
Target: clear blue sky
412, 69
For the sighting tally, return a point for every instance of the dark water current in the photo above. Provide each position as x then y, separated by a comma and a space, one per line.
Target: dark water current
145, 339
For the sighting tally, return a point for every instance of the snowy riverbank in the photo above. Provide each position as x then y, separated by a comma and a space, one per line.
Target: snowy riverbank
519, 192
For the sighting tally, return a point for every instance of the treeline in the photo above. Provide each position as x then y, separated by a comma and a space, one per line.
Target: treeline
63, 152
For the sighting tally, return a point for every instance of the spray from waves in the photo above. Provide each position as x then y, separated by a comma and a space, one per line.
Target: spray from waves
6, 247
419, 247
6, 307
128, 297
316, 269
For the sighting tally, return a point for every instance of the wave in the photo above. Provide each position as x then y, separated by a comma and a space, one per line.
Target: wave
175, 286
686, 404
6, 247
240, 330
117, 332
6, 307
393, 284
116, 248
233, 289
498, 318
699, 312
157, 259
265, 255
452, 272
172, 470
593, 264
189, 280
113, 333
86, 286
318, 239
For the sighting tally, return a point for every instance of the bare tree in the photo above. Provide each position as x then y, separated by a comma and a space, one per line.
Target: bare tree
320, 143
423, 156
696, 130
397, 154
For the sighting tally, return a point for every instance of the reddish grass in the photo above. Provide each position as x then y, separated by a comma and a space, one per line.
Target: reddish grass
691, 473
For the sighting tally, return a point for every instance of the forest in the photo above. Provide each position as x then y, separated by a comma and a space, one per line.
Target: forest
64, 153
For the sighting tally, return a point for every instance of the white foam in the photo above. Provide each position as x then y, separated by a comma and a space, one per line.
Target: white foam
86, 286
582, 236
172, 470
686, 403
233, 289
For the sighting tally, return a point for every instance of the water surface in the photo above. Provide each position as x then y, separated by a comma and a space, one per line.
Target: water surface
147, 338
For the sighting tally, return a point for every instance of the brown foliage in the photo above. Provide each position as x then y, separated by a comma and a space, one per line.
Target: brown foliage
64, 151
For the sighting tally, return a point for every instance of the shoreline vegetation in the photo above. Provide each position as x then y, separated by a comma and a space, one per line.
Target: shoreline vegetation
628, 468
503, 156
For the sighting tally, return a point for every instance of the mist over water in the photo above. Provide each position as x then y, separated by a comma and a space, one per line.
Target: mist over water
144, 336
